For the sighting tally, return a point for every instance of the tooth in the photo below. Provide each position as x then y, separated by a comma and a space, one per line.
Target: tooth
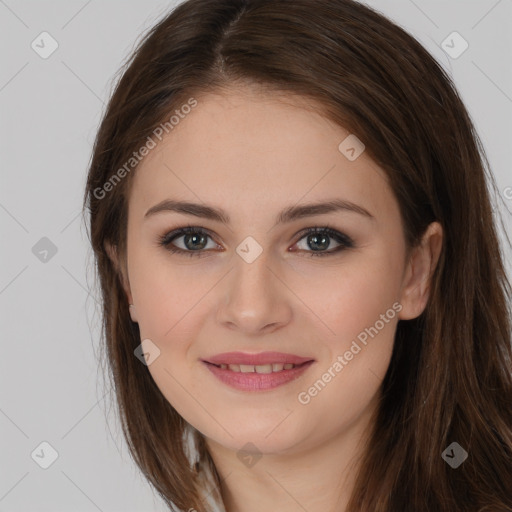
260, 368
263, 368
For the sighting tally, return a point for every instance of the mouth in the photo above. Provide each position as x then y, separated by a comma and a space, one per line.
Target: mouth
257, 372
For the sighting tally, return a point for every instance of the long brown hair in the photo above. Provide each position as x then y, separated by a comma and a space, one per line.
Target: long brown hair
450, 376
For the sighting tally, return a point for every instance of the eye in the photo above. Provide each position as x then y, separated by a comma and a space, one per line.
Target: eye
319, 238
195, 241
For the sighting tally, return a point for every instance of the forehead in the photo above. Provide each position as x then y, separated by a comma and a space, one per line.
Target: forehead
258, 149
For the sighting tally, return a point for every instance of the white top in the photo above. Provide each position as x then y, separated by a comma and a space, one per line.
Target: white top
209, 486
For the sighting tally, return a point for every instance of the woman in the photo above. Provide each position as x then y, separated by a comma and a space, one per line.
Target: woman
242, 138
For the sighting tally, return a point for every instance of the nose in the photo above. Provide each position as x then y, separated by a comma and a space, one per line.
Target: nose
255, 298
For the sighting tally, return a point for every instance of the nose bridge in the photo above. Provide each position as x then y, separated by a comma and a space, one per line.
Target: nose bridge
253, 300
251, 281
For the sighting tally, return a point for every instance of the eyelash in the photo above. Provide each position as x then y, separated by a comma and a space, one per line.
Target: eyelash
167, 239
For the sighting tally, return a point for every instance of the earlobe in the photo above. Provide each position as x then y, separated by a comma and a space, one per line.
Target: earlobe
133, 314
420, 268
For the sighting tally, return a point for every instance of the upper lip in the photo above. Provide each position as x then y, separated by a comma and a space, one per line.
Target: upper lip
256, 359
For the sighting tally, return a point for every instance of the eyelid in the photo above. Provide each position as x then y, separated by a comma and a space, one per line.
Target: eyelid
183, 230
166, 240
327, 229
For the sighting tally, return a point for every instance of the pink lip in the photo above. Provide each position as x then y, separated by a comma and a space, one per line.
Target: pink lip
257, 381
256, 359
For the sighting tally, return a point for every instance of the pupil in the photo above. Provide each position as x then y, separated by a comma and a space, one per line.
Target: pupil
194, 239
322, 245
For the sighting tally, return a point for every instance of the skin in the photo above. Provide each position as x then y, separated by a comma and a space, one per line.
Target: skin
254, 154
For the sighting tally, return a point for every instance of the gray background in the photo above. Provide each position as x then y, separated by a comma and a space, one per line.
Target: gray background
51, 387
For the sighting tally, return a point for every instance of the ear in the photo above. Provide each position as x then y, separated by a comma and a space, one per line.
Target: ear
111, 250
418, 274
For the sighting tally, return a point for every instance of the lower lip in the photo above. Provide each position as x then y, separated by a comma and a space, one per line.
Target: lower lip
257, 381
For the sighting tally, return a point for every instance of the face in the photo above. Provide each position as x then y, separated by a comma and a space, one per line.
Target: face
311, 317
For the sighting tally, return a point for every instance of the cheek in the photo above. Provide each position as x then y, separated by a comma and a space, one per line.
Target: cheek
167, 294
350, 296
171, 301
363, 314
358, 303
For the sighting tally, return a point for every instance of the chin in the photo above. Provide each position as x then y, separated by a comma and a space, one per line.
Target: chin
271, 435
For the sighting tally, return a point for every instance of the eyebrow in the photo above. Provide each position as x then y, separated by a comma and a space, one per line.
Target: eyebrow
289, 214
